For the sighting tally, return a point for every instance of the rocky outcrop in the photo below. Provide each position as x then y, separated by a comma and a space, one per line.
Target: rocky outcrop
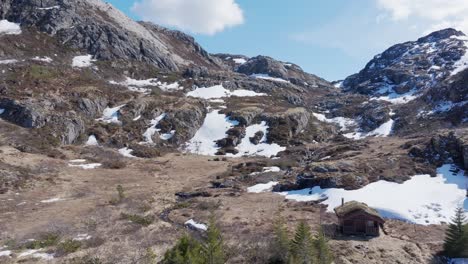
441, 149
411, 66
286, 71
22, 113
283, 127
106, 33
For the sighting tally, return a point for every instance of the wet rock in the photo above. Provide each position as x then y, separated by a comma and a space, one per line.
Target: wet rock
257, 138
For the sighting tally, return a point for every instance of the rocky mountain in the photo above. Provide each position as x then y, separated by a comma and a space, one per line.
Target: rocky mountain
90, 99
108, 34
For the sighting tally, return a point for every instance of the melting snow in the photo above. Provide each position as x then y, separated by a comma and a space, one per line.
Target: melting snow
262, 187
89, 166
92, 141
247, 148
167, 136
268, 77
343, 122
81, 237
240, 60
149, 133
214, 128
461, 64
49, 8
111, 115
9, 28
219, 91
2, 111
83, 61
196, 225
43, 59
422, 199
138, 85
126, 152
8, 61
383, 130
52, 200
5, 253
35, 253
271, 169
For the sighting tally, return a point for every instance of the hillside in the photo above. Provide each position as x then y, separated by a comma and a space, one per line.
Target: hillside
91, 100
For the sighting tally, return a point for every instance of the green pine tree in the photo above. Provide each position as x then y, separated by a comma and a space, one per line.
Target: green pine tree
456, 236
324, 255
186, 251
213, 248
302, 250
279, 247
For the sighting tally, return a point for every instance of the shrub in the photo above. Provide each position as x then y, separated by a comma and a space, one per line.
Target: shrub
68, 246
138, 219
302, 245
190, 251
46, 240
114, 164
279, 246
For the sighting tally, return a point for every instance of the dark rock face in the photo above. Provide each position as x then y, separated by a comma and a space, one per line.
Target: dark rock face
21, 113
411, 66
441, 149
107, 33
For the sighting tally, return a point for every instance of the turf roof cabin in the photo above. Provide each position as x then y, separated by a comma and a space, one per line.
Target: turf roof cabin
357, 218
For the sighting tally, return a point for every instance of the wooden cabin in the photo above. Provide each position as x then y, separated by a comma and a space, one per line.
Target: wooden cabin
357, 218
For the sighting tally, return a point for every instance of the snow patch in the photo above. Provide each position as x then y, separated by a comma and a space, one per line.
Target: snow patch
196, 225
43, 59
81, 237
5, 253
83, 61
247, 148
111, 115
49, 8
271, 169
89, 166
92, 141
214, 128
462, 63
126, 152
35, 253
268, 77
240, 60
383, 130
139, 85
218, 91
9, 28
262, 187
167, 136
422, 199
343, 122
149, 133
2, 110
52, 200
8, 61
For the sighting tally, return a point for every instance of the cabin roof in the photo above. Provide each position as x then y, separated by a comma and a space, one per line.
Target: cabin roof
353, 206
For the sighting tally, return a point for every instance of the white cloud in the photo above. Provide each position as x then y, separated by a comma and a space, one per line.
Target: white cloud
438, 13
197, 16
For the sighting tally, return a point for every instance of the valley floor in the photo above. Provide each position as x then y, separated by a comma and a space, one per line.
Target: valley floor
75, 204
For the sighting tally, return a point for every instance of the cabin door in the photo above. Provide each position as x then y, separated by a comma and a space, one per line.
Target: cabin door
360, 226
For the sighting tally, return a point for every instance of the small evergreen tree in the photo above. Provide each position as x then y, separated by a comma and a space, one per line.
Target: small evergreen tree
186, 251
324, 255
456, 237
279, 247
213, 248
302, 250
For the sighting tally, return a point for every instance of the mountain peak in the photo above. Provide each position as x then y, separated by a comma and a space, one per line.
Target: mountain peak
441, 34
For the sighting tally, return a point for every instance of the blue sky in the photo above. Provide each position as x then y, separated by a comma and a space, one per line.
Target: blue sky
332, 39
